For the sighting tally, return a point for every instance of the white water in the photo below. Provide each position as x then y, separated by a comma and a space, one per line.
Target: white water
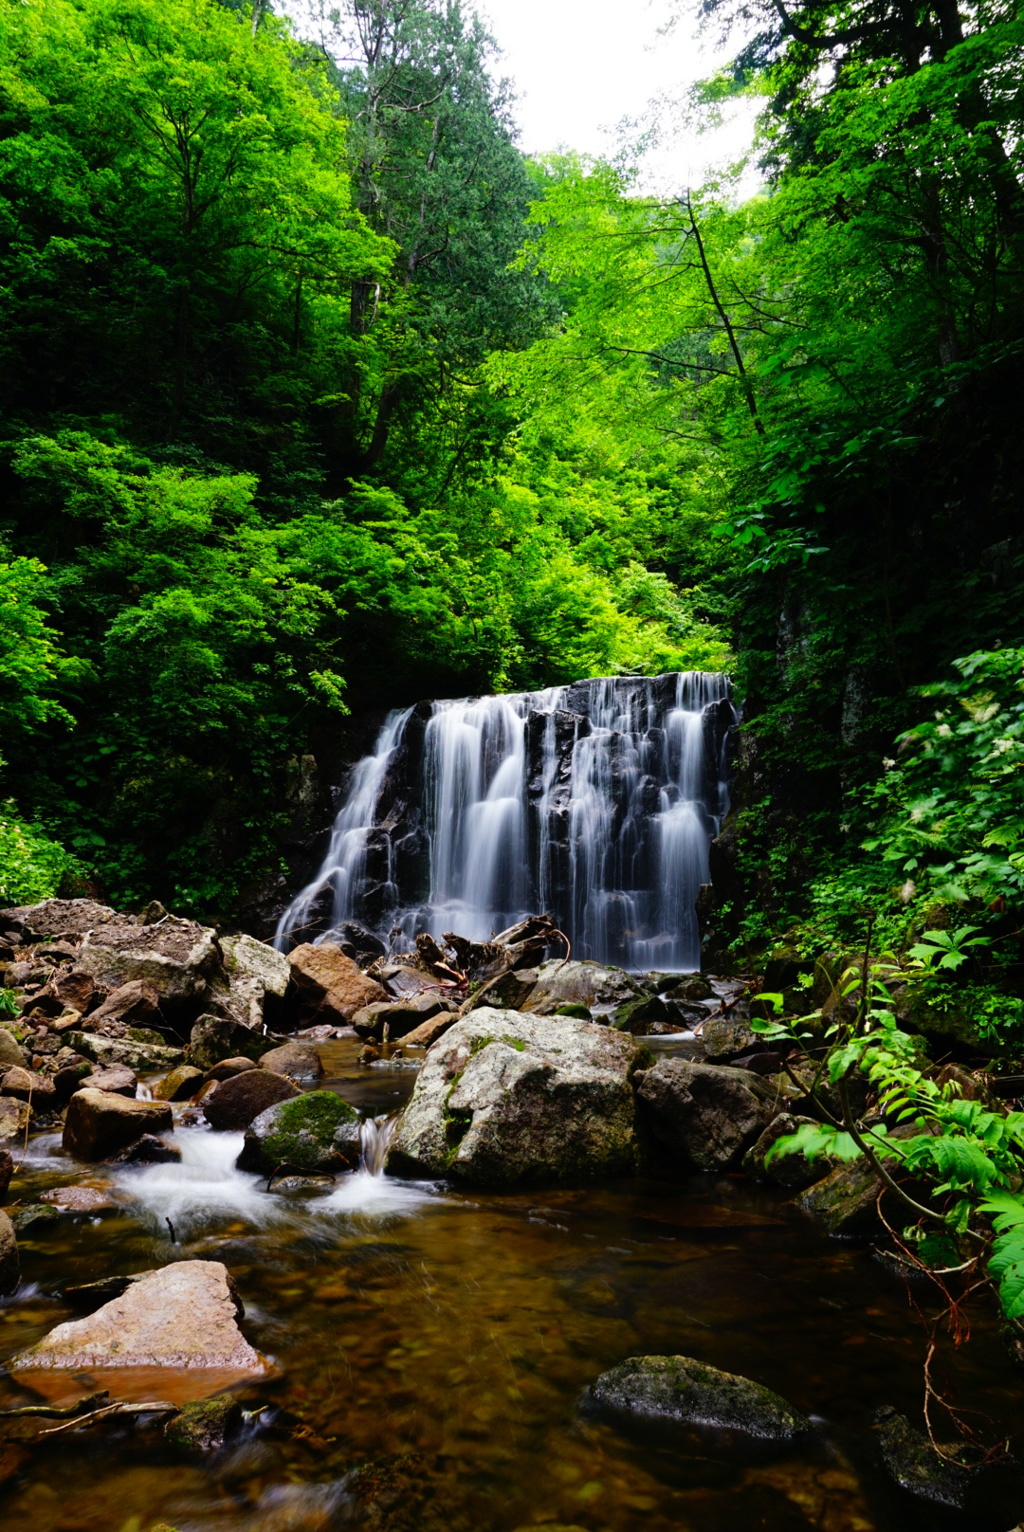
594, 802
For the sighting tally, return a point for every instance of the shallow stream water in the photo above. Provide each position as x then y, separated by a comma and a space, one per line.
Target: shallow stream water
460, 1330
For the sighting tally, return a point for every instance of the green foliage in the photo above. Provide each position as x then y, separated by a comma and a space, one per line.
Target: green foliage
32, 865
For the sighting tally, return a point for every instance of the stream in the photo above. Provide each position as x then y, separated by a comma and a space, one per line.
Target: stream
461, 1329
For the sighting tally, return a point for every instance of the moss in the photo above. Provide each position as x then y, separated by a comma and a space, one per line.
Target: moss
304, 1129
516, 1043
577, 1012
478, 1045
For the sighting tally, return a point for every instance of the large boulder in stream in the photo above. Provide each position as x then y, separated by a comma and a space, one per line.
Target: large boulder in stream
679, 1388
704, 1114
330, 984
236, 1102
182, 1320
98, 1123
316, 1132
251, 983
505, 1099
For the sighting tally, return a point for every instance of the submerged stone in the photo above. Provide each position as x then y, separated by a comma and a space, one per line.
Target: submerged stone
683, 1389
914, 1463
315, 1132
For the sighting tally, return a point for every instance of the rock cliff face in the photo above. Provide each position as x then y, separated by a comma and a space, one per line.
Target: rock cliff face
507, 1099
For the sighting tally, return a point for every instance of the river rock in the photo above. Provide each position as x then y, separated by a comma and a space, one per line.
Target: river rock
251, 981
26, 1085
6, 1172
215, 1038
204, 1425
690, 991
330, 984
726, 1037
57, 917
681, 1388
428, 1032
180, 1084
845, 1202
595, 985
298, 1061
394, 1019
506, 1099
148, 1150
32, 1216
76, 989
914, 1463
227, 1068
792, 1172
184, 1317
177, 957
118, 1079
135, 1004
11, 1056
315, 1132
705, 1113
15, 1117
77, 1199
10, 1266
235, 1102
107, 1051
98, 1123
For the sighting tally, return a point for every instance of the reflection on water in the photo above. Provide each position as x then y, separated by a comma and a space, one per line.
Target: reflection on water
458, 1331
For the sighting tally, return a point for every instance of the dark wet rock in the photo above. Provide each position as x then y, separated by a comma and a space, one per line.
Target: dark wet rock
330, 985
107, 1051
148, 1150
215, 1038
15, 1117
11, 1055
506, 1099
296, 1061
6, 1172
648, 1014
680, 1388
228, 1068
690, 991
204, 1425
393, 1019
57, 917
180, 1084
116, 1078
177, 957
317, 1131
182, 1317
10, 1266
302, 1186
33, 1218
792, 1172
69, 1077
428, 1032
704, 1113
28, 1085
845, 1201
236, 1102
98, 1123
251, 982
397, 1493
914, 1463
136, 1004
726, 1037
595, 985
77, 1199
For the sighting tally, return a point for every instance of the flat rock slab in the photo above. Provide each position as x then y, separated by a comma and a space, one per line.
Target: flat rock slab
123, 1051
679, 1388
99, 1123
176, 956
78, 1199
504, 1099
177, 1328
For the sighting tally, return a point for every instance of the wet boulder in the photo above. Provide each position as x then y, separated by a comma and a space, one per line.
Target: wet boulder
227, 1068
507, 1099
679, 1388
913, 1462
78, 1199
315, 1132
845, 1202
10, 1267
705, 1114
726, 1037
329, 984
251, 982
204, 1425
177, 957
181, 1084
235, 1102
791, 1172
215, 1038
99, 1123
27, 1085
296, 1060
183, 1318
148, 1150
598, 986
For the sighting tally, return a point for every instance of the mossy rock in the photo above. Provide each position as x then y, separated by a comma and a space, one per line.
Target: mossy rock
204, 1424
315, 1132
679, 1388
580, 1012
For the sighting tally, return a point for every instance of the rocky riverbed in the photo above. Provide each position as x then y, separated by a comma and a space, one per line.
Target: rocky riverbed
580, 1298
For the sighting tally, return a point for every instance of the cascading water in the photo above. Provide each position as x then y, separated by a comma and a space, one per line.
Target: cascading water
596, 802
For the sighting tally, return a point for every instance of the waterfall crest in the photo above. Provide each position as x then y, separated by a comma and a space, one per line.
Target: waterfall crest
596, 801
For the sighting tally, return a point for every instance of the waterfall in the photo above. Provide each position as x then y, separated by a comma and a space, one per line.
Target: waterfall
596, 801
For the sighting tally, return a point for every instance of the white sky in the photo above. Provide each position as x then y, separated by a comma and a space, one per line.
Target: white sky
581, 66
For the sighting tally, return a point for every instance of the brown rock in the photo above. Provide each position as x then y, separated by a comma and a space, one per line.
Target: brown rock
25, 1085
116, 1078
298, 1061
148, 1150
180, 1084
77, 1199
57, 917
14, 1118
238, 1101
422, 1036
135, 1004
175, 956
221, 1037
68, 1078
77, 990
330, 983
6, 1172
10, 1053
182, 1318
98, 1123
228, 1068
392, 1019
10, 1267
